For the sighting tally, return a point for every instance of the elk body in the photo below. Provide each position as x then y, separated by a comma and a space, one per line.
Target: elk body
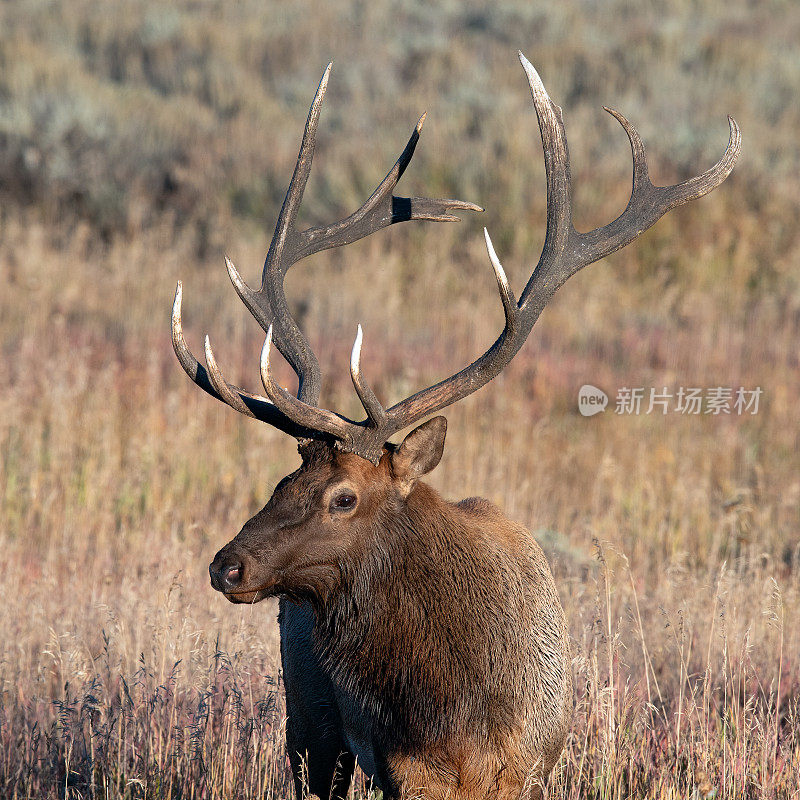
422, 639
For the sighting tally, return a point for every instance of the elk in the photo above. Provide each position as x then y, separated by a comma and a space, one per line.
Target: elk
422, 639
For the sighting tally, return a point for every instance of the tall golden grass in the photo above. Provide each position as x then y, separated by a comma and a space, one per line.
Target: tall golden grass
137, 147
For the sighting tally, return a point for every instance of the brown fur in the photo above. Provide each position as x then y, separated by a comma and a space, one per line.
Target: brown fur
422, 637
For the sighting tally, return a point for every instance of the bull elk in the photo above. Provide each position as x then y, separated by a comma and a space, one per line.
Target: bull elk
420, 638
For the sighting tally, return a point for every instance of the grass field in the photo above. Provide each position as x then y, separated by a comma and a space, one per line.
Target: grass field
139, 146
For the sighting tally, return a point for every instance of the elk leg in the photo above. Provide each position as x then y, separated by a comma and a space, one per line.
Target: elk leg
319, 769
321, 763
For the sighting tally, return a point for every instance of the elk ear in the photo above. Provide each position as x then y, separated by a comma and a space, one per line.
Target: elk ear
419, 453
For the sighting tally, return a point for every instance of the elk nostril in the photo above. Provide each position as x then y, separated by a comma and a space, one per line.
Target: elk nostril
233, 574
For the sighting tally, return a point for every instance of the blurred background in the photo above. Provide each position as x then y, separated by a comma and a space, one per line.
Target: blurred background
142, 141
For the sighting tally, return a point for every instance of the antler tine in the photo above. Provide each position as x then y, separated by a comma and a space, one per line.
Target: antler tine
224, 389
307, 416
258, 407
371, 404
565, 250
687, 190
382, 209
506, 295
557, 173
302, 170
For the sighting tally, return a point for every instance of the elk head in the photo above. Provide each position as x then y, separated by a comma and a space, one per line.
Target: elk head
352, 478
323, 518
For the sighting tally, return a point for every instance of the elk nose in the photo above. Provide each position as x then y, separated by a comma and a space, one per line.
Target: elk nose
225, 577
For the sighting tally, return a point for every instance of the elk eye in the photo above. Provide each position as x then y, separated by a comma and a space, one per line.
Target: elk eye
343, 501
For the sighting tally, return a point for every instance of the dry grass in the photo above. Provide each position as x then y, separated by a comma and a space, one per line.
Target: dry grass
675, 540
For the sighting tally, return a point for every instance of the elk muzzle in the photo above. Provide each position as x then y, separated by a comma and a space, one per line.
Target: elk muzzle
231, 576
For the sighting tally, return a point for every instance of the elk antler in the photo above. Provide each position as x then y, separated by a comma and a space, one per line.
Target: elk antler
565, 252
289, 245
